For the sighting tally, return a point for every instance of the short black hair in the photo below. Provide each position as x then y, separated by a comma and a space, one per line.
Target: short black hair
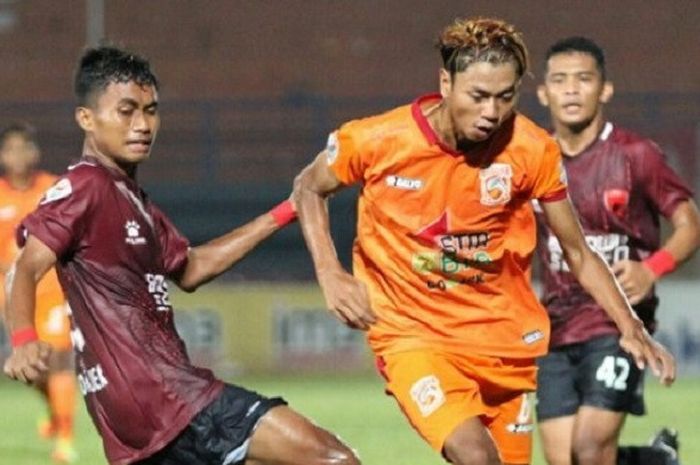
581, 45
21, 128
101, 66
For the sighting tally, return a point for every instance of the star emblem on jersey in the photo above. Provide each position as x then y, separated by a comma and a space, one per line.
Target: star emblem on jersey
133, 235
495, 184
432, 233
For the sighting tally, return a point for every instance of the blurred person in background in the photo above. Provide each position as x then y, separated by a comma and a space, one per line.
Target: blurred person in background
114, 251
21, 189
444, 240
621, 187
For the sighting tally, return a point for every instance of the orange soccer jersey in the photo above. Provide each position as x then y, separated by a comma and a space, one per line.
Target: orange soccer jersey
444, 247
51, 319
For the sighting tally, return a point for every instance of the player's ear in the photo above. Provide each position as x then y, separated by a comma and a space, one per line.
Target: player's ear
84, 118
445, 82
608, 91
542, 95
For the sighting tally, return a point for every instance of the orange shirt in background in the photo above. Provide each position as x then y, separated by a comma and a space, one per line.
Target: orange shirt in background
445, 247
14, 206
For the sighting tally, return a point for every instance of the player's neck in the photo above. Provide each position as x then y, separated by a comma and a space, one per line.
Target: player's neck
575, 139
125, 169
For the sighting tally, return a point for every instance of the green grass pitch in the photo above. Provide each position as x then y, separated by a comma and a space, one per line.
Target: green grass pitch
354, 407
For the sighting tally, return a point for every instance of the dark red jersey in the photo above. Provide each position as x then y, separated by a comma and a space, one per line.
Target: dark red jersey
620, 186
115, 250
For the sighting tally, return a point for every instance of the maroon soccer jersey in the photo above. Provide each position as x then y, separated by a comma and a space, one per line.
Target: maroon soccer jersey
620, 185
115, 250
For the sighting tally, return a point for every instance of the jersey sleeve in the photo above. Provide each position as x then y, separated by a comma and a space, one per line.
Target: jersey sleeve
60, 219
663, 187
549, 182
348, 151
174, 245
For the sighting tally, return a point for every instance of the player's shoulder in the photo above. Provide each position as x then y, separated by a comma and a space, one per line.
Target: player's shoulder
84, 178
528, 133
397, 122
629, 142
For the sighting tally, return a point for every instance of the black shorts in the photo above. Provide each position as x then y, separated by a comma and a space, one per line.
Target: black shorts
596, 373
219, 434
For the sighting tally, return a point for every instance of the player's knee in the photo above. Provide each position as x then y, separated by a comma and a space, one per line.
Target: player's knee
588, 453
462, 453
332, 451
337, 454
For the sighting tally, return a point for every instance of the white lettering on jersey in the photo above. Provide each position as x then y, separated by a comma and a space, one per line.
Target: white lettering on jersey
404, 183
60, 190
8, 212
427, 394
133, 236
92, 380
158, 288
612, 247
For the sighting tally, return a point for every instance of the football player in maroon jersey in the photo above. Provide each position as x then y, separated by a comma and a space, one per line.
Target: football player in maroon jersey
115, 251
621, 185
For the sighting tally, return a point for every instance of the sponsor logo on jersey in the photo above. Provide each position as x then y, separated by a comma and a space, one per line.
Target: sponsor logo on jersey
427, 394
616, 201
496, 184
612, 247
133, 235
92, 380
533, 336
404, 183
60, 190
332, 148
8, 212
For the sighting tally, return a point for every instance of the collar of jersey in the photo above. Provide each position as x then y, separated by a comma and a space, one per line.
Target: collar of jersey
425, 126
113, 172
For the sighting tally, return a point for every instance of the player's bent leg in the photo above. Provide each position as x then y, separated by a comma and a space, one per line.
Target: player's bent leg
596, 435
471, 444
285, 437
556, 434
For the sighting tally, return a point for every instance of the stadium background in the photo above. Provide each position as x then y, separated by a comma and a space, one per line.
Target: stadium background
250, 90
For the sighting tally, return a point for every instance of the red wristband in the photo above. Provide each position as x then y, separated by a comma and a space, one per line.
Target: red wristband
284, 213
23, 336
660, 263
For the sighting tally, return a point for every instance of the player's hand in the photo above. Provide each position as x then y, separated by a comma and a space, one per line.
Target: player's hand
347, 298
635, 278
28, 362
646, 351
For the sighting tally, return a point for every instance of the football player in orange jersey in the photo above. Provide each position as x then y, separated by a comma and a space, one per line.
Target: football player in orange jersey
21, 188
444, 240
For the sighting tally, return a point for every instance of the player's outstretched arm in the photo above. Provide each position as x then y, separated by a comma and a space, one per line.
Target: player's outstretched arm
346, 297
637, 278
207, 261
29, 358
597, 279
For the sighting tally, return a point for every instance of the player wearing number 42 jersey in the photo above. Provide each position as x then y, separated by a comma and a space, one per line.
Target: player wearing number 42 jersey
114, 251
444, 239
621, 186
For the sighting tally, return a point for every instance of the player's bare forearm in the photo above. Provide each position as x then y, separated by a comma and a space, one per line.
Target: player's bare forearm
588, 267
33, 262
597, 279
685, 238
311, 190
209, 260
